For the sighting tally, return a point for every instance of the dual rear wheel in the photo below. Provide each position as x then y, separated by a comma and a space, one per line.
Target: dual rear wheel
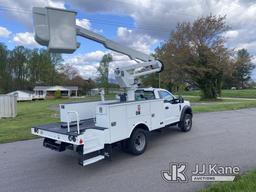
138, 141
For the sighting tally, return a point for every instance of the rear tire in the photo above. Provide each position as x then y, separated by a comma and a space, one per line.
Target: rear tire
185, 124
138, 141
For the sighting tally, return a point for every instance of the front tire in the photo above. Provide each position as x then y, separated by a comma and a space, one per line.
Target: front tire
138, 141
185, 124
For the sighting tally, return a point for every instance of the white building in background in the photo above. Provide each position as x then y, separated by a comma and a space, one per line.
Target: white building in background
22, 95
43, 92
49, 91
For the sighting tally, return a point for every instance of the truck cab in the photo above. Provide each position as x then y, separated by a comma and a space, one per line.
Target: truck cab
172, 105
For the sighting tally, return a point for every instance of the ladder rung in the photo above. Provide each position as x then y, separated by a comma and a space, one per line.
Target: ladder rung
92, 160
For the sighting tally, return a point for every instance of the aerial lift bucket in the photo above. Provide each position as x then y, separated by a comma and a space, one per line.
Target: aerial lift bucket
56, 29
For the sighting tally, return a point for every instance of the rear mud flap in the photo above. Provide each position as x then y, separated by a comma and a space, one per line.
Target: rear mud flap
52, 144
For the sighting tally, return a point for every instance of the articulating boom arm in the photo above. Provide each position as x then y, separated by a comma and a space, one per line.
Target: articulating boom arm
126, 76
57, 29
133, 54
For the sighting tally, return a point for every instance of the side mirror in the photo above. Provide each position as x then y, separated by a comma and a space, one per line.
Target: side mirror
175, 101
181, 99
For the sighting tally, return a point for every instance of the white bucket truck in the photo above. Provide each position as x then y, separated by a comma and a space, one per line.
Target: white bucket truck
92, 128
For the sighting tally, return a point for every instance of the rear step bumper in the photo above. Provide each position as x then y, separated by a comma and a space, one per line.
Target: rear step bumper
51, 144
85, 159
89, 158
92, 160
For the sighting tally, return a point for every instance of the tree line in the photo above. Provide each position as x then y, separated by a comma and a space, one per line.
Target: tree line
194, 56
23, 69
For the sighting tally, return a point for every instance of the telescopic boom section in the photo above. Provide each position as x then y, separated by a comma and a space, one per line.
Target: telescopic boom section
57, 29
131, 53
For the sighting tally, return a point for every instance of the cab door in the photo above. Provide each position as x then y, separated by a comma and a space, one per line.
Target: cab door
171, 107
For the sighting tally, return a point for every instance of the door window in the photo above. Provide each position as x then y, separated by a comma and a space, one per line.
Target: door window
166, 96
141, 95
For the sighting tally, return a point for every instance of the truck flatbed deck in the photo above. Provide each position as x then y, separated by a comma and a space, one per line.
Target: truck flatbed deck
62, 127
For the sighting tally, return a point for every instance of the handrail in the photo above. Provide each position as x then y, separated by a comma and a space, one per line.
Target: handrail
77, 120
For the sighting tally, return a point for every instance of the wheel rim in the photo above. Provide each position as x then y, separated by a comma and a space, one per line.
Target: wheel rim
188, 122
140, 142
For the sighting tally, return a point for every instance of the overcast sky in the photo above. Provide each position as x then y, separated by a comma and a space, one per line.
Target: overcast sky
141, 24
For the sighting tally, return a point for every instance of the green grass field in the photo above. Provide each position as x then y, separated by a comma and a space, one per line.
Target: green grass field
220, 105
246, 183
243, 93
42, 112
